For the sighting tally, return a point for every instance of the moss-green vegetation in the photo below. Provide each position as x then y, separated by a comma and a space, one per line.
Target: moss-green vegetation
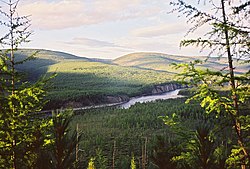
161, 62
42, 59
129, 128
92, 78
79, 77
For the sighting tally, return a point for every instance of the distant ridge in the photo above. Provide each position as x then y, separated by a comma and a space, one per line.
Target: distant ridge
42, 60
85, 80
162, 62
140, 58
48, 54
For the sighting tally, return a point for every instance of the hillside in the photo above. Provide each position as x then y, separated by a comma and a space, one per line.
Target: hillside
161, 62
47, 54
42, 60
82, 81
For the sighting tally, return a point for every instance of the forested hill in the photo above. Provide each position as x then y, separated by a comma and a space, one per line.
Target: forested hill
42, 60
48, 55
162, 62
143, 60
91, 81
84, 81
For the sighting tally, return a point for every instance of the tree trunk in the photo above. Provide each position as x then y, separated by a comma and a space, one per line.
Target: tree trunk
12, 62
236, 115
114, 150
12, 58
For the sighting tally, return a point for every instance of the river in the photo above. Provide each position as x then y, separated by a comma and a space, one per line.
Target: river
132, 101
144, 99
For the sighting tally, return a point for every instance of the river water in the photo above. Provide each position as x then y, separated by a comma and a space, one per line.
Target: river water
132, 101
144, 99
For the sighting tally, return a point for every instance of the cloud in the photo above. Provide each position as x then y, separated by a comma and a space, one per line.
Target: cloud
63, 14
94, 48
91, 43
159, 30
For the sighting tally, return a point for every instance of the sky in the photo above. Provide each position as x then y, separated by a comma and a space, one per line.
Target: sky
105, 28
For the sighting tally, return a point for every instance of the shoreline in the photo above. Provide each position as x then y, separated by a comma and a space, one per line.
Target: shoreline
117, 104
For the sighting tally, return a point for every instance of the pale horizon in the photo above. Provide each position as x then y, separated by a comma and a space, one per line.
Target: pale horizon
105, 29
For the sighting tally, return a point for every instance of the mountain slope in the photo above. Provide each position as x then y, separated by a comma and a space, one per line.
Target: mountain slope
42, 60
143, 58
85, 81
161, 62
78, 78
154, 61
47, 54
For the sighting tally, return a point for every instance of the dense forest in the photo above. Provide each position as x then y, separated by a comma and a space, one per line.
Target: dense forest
140, 130
207, 129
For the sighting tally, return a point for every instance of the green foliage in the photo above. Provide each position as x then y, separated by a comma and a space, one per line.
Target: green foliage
229, 36
201, 145
22, 135
129, 127
207, 86
91, 78
207, 83
163, 153
215, 39
133, 164
80, 79
195, 139
235, 158
91, 164
64, 142
199, 150
42, 143
16, 124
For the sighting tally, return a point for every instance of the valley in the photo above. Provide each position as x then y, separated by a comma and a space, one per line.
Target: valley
124, 84
111, 109
82, 81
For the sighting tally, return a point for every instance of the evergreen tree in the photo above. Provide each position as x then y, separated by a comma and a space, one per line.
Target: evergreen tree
65, 140
229, 36
18, 99
132, 163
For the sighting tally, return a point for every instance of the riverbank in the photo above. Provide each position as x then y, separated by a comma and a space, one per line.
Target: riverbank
98, 100
124, 104
143, 99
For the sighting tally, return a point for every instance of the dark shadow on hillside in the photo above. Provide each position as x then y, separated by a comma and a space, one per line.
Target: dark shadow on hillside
78, 90
34, 69
153, 69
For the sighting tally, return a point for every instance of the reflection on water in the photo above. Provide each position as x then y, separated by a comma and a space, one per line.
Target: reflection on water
143, 99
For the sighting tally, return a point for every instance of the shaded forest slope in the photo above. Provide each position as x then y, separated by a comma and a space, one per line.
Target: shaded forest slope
82, 81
